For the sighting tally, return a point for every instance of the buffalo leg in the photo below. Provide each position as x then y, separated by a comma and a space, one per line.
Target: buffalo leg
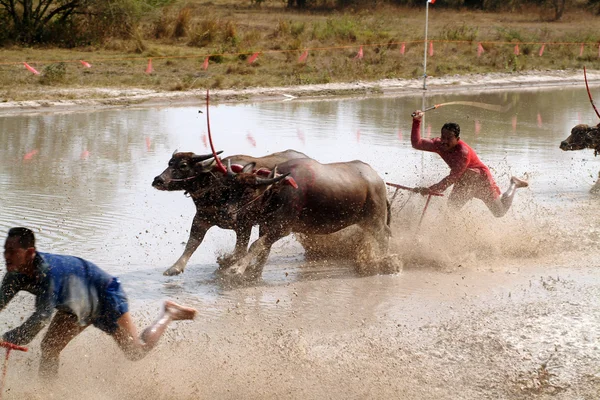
259, 251
241, 248
199, 229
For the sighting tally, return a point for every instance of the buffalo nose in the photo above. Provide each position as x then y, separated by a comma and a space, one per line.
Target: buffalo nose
158, 181
564, 144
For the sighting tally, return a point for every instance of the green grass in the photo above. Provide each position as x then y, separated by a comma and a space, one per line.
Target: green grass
182, 36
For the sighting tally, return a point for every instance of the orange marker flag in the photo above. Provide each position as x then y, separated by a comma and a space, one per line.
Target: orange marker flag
430, 48
30, 154
581, 50
149, 68
205, 64
31, 69
539, 120
516, 51
84, 155
403, 48
514, 123
479, 49
85, 64
148, 143
542, 49
400, 134
204, 140
477, 127
359, 55
252, 58
303, 56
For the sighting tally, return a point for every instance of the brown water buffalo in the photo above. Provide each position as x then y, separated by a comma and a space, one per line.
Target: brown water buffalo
197, 176
584, 137
318, 199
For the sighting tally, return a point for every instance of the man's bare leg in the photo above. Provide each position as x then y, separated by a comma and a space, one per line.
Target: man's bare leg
499, 207
136, 348
63, 328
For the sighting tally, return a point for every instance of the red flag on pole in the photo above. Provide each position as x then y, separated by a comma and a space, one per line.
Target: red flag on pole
303, 56
359, 55
149, 68
31, 69
516, 51
479, 49
430, 48
542, 49
252, 58
581, 50
403, 48
205, 64
85, 64
431, 1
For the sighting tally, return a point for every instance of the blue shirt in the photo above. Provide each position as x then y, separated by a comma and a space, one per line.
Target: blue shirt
65, 283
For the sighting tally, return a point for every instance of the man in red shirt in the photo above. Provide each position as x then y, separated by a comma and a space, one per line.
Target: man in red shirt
471, 178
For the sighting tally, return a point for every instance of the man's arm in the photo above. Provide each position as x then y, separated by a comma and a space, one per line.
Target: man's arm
10, 287
415, 135
456, 171
44, 307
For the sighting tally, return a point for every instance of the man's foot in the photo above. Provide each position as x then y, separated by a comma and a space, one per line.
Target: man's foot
179, 312
519, 183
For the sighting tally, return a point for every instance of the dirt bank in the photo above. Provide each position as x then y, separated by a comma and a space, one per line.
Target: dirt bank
73, 99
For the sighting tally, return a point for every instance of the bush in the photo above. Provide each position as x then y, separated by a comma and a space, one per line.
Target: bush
53, 74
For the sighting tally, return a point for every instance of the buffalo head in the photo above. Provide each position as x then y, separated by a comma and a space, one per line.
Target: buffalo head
582, 137
247, 186
184, 171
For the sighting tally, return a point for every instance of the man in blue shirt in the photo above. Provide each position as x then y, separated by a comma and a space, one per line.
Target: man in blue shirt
82, 294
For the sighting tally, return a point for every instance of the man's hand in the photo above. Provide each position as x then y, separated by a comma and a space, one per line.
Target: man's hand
417, 115
423, 191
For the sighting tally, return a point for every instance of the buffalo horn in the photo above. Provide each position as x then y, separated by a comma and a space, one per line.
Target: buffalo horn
273, 173
270, 181
197, 158
230, 173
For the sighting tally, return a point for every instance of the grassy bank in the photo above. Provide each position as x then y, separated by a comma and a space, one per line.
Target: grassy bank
180, 38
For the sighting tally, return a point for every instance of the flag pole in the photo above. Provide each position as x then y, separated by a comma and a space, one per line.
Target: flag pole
425, 46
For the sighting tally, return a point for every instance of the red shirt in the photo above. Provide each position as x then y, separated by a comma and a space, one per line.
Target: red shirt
459, 159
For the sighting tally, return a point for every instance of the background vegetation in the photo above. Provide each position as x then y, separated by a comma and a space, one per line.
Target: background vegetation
118, 37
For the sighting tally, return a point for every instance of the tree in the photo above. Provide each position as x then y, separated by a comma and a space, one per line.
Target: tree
29, 18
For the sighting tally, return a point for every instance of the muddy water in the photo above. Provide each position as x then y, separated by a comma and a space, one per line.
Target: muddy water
484, 308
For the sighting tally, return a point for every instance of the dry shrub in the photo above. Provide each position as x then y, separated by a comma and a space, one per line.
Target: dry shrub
162, 27
182, 22
204, 33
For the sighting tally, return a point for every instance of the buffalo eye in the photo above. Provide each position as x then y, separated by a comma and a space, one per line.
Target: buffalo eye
183, 166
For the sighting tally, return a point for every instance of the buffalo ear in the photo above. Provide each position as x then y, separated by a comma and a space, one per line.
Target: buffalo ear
249, 167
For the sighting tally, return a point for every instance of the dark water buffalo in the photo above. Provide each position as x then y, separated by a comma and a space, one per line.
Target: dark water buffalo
197, 176
319, 199
584, 137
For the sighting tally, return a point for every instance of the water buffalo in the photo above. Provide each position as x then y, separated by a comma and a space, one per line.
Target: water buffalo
318, 199
198, 176
584, 137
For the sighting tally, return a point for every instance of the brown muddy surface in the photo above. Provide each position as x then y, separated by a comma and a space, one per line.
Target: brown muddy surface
484, 308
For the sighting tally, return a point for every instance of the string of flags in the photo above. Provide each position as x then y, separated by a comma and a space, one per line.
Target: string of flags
359, 55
